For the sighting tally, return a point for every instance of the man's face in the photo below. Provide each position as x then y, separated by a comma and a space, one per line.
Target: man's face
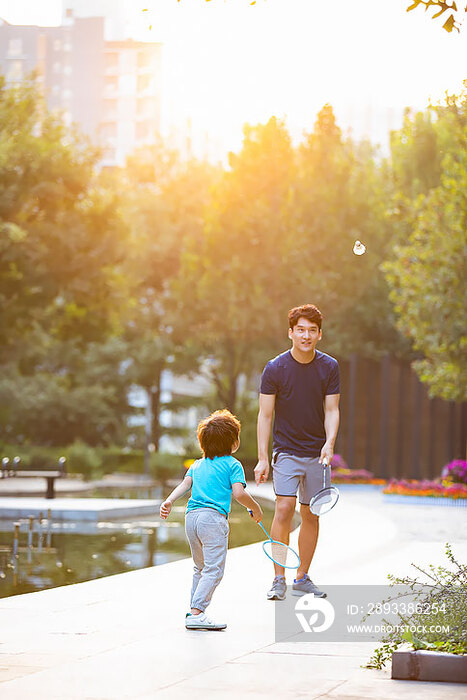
304, 335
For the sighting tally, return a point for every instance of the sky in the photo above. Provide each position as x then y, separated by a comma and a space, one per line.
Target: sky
227, 62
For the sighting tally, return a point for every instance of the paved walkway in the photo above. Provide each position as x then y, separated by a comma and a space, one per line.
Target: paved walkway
123, 636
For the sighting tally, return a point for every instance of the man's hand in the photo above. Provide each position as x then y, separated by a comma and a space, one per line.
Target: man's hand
261, 471
326, 453
166, 507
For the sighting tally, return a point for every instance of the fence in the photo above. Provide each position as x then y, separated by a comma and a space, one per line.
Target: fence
390, 426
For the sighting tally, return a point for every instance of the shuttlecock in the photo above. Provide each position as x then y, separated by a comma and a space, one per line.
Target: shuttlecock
358, 248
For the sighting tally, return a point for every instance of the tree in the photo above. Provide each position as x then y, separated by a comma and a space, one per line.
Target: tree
235, 284
163, 208
61, 285
454, 20
427, 276
342, 197
61, 235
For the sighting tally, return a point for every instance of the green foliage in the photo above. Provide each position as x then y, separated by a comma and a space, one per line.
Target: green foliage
166, 466
56, 395
61, 288
234, 272
342, 195
442, 587
61, 234
427, 275
163, 208
108, 280
118, 459
82, 459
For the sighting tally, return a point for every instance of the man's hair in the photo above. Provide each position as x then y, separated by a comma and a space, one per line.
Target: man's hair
308, 311
218, 433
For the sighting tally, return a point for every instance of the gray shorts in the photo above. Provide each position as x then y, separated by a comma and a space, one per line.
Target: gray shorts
291, 473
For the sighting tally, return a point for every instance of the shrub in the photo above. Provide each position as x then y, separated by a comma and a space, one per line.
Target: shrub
166, 466
40, 458
118, 459
455, 471
445, 592
83, 459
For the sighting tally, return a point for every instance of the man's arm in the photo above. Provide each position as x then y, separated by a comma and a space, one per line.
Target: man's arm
331, 425
266, 412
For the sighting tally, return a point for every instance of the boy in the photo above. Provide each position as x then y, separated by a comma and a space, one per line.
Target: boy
212, 480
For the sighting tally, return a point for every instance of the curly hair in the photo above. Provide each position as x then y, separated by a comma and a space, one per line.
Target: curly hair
218, 433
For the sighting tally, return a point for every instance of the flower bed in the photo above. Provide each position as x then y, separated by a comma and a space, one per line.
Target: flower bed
434, 489
354, 476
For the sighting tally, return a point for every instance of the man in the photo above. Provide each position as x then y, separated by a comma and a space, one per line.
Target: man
301, 389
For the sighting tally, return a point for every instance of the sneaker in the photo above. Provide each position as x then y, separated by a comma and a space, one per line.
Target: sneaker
306, 585
202, 622
278, 589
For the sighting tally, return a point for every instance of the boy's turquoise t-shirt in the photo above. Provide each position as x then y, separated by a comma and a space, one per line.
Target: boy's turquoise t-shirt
212, 483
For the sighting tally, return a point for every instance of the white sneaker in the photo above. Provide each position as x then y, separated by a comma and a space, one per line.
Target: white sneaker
202, 622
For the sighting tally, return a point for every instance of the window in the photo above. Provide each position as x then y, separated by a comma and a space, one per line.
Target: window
109, 154
111, 83
15, 47
142, 106
57, 45
144, 82
110, 108
142, 130
15, 71
143, 59
57, 67
111, 60
108, 130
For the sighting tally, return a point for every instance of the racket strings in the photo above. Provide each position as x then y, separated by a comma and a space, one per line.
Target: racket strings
324, 500
281, 554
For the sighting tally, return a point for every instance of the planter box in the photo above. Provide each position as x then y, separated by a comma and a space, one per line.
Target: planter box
423, 665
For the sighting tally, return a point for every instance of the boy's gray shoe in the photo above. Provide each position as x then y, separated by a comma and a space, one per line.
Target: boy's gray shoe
278, 589
305, 585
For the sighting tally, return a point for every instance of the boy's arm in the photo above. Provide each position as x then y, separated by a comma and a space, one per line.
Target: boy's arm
242, 496
177, 493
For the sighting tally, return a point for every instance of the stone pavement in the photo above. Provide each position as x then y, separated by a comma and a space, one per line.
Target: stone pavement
123, 636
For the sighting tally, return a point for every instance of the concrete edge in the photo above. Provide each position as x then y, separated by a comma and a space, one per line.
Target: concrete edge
424, 665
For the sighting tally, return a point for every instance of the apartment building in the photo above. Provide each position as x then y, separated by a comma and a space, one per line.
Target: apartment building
110, 89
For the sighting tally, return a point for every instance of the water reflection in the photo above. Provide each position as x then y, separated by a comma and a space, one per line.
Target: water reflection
54, 554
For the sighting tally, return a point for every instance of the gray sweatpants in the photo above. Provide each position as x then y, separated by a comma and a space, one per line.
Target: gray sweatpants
207, 531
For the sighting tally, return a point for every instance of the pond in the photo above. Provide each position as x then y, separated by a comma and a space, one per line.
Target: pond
59, 554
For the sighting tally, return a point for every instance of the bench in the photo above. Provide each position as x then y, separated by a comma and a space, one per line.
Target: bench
49, 474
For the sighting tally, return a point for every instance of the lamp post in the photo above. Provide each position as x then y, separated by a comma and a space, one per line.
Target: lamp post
5, 461
62, 465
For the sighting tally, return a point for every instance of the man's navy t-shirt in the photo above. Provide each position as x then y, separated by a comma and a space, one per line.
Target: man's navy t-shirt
300, 389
